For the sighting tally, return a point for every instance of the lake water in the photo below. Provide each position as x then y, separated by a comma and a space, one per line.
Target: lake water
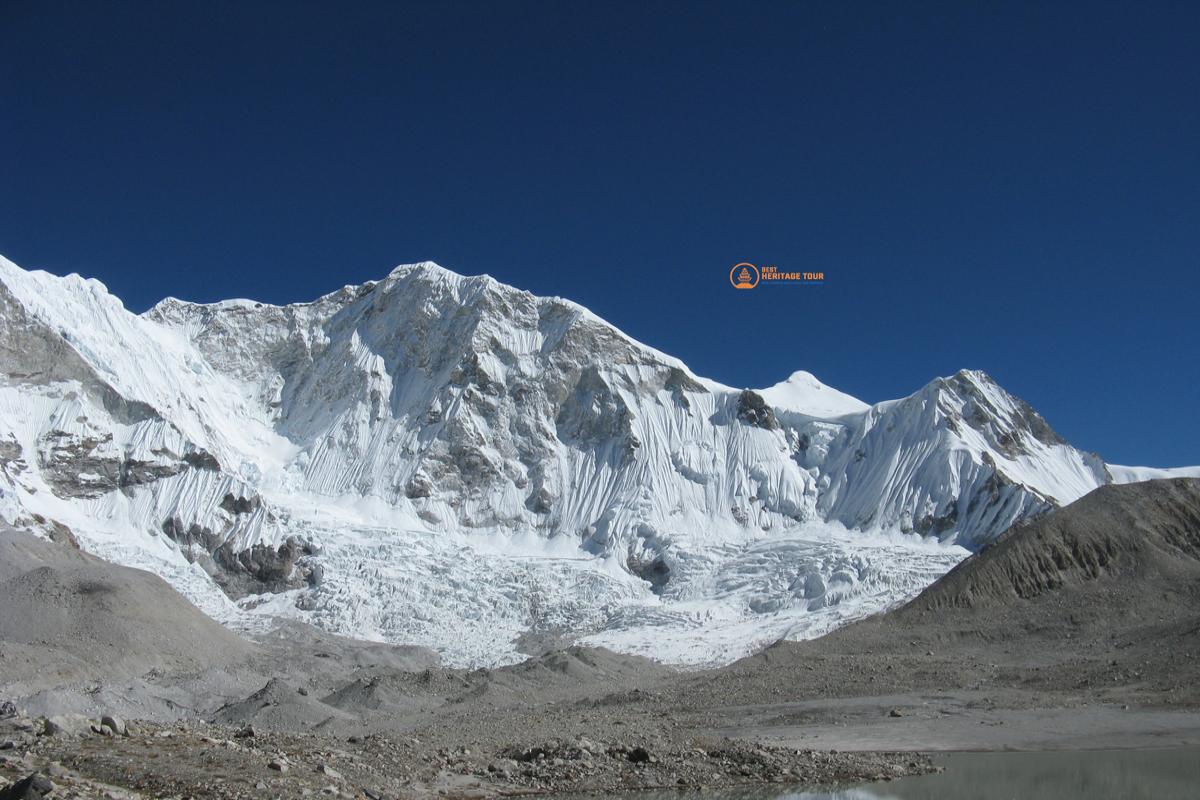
1168, 774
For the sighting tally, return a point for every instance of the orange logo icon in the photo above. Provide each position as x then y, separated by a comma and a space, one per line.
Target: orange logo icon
744, 276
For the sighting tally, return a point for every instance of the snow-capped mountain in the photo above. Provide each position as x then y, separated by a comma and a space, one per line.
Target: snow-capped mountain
802, 393
447, 460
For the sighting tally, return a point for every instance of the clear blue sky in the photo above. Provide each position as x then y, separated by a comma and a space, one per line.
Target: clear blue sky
1005, 186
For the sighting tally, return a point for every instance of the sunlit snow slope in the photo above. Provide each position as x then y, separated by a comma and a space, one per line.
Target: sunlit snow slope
804, 394
450, 461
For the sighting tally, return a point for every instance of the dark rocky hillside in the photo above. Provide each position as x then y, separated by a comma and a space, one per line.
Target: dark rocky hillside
1146, 534
1098, 601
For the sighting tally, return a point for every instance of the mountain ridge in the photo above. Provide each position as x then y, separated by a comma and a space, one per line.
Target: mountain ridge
275, 450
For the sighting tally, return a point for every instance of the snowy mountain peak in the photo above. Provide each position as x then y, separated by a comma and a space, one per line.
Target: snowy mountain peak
448, 460
433, 271
802, 393
1010, 424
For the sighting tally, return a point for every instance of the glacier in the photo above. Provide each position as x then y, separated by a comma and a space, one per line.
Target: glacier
445, 460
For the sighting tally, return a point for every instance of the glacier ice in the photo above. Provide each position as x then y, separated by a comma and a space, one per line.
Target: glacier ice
449, 461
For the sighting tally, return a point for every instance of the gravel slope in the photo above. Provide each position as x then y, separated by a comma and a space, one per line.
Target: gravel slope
71, 617
1080, 628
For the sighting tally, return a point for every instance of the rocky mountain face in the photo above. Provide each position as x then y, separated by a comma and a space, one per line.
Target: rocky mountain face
1143, 538
451, 461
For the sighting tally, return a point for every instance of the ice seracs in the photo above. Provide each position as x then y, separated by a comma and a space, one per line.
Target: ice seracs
447, 460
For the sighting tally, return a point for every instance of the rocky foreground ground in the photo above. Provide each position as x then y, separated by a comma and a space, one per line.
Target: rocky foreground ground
1091, 613
74, 757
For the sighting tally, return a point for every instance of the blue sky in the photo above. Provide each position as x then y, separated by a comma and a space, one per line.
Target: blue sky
1003, 186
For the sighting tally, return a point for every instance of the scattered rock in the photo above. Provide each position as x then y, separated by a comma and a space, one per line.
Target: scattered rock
329, 772
66, 725
117, 724
31, 787
279, 765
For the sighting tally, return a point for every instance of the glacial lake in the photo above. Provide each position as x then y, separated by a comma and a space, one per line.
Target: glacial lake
1166, 774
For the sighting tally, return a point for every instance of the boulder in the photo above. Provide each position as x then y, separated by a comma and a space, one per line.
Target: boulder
639, 755
31, 787
66, 725
116, 723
